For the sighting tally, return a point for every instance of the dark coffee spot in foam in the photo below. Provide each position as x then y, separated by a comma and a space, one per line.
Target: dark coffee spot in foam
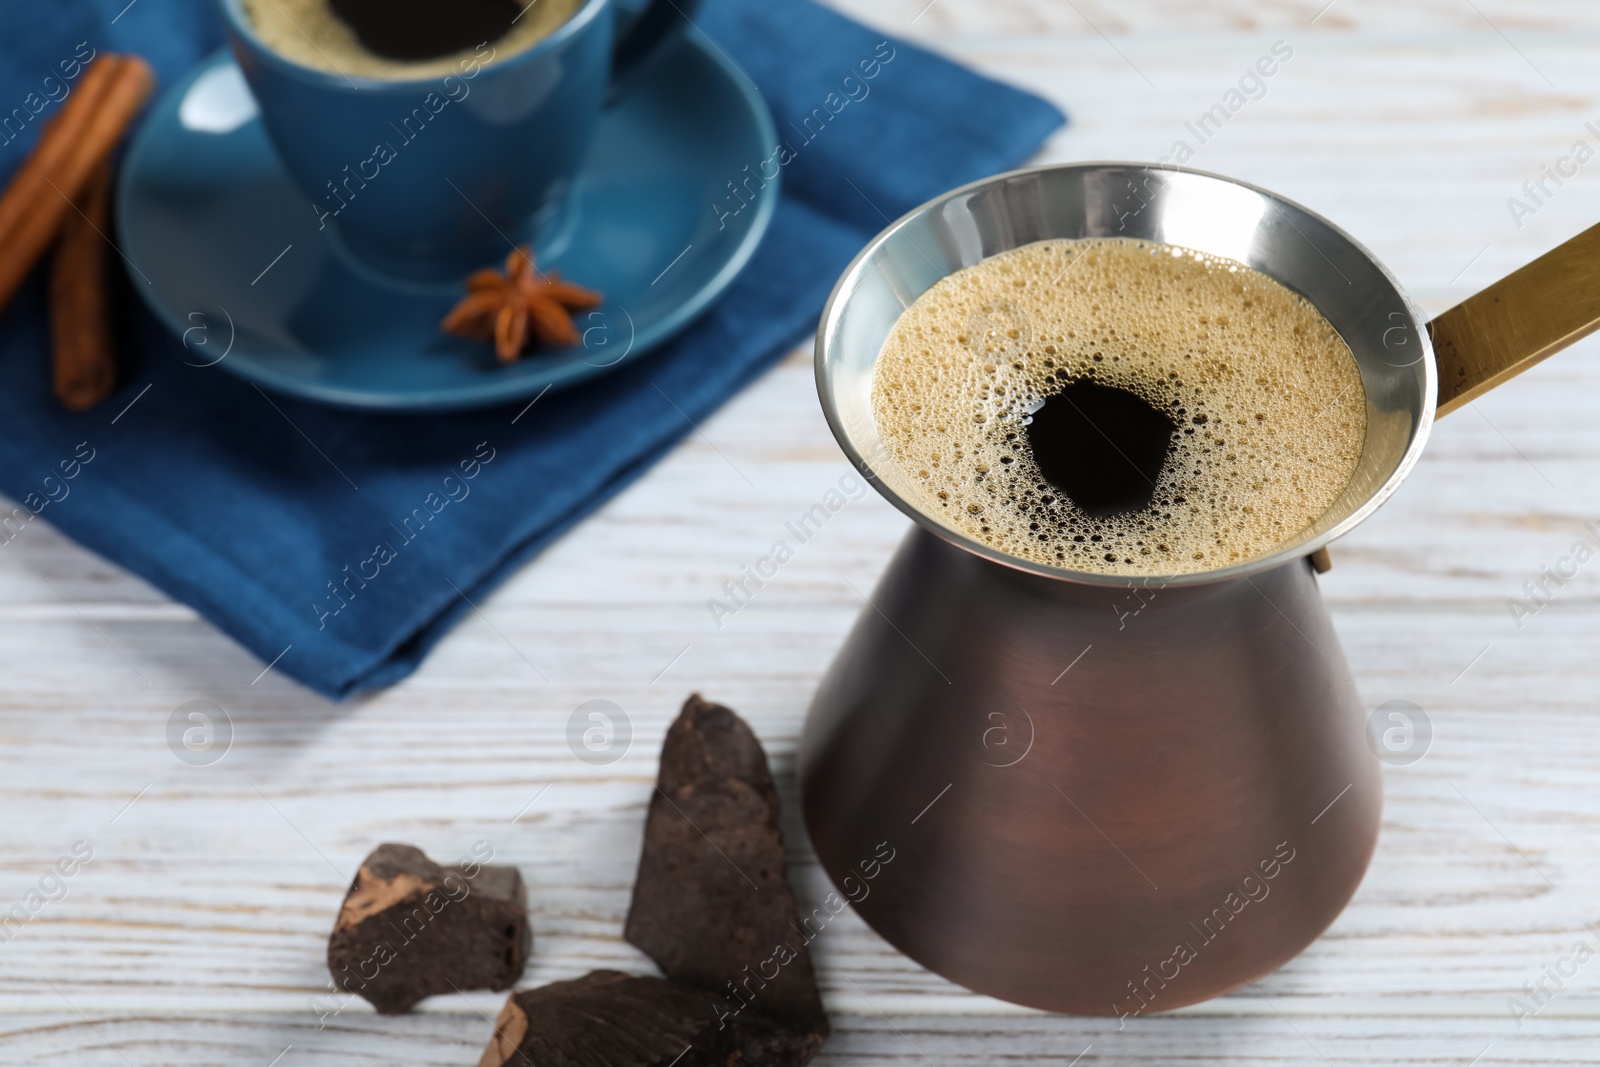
413, 30
1102, 446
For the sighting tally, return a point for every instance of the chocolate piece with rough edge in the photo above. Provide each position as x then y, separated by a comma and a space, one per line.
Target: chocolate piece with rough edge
410, 928
712, 904
624, 1021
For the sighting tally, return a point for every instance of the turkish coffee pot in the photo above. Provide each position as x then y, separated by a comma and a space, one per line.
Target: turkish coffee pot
1105, 795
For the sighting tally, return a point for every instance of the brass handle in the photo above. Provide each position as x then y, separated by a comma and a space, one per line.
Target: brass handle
1523, 318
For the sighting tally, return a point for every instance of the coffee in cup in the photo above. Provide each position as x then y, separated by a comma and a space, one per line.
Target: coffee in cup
1120, 406
401, 38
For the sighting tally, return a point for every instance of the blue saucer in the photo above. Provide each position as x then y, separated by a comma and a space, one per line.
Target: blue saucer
227, 251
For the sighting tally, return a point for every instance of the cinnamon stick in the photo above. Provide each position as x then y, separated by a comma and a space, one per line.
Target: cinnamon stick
85, 369
77, 141
55, 142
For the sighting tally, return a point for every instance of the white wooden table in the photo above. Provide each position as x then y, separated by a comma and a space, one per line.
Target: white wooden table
195, 934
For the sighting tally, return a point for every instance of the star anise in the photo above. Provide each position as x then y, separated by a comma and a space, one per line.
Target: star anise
508, 308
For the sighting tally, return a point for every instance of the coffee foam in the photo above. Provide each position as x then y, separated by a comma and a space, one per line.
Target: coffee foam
1266, 394
309, 33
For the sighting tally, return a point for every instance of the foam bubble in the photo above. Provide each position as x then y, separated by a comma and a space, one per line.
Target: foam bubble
1266, 394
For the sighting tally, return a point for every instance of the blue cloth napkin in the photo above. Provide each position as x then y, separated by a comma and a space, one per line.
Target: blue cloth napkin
213, 496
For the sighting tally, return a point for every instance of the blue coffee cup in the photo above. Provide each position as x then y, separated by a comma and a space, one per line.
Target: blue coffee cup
429, 177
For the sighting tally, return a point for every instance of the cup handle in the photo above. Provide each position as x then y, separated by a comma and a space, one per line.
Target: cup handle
644, 30
1525, 317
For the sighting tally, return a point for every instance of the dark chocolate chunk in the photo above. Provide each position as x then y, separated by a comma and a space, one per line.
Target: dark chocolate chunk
713, 907
622, 1021
712, 904
410, 928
